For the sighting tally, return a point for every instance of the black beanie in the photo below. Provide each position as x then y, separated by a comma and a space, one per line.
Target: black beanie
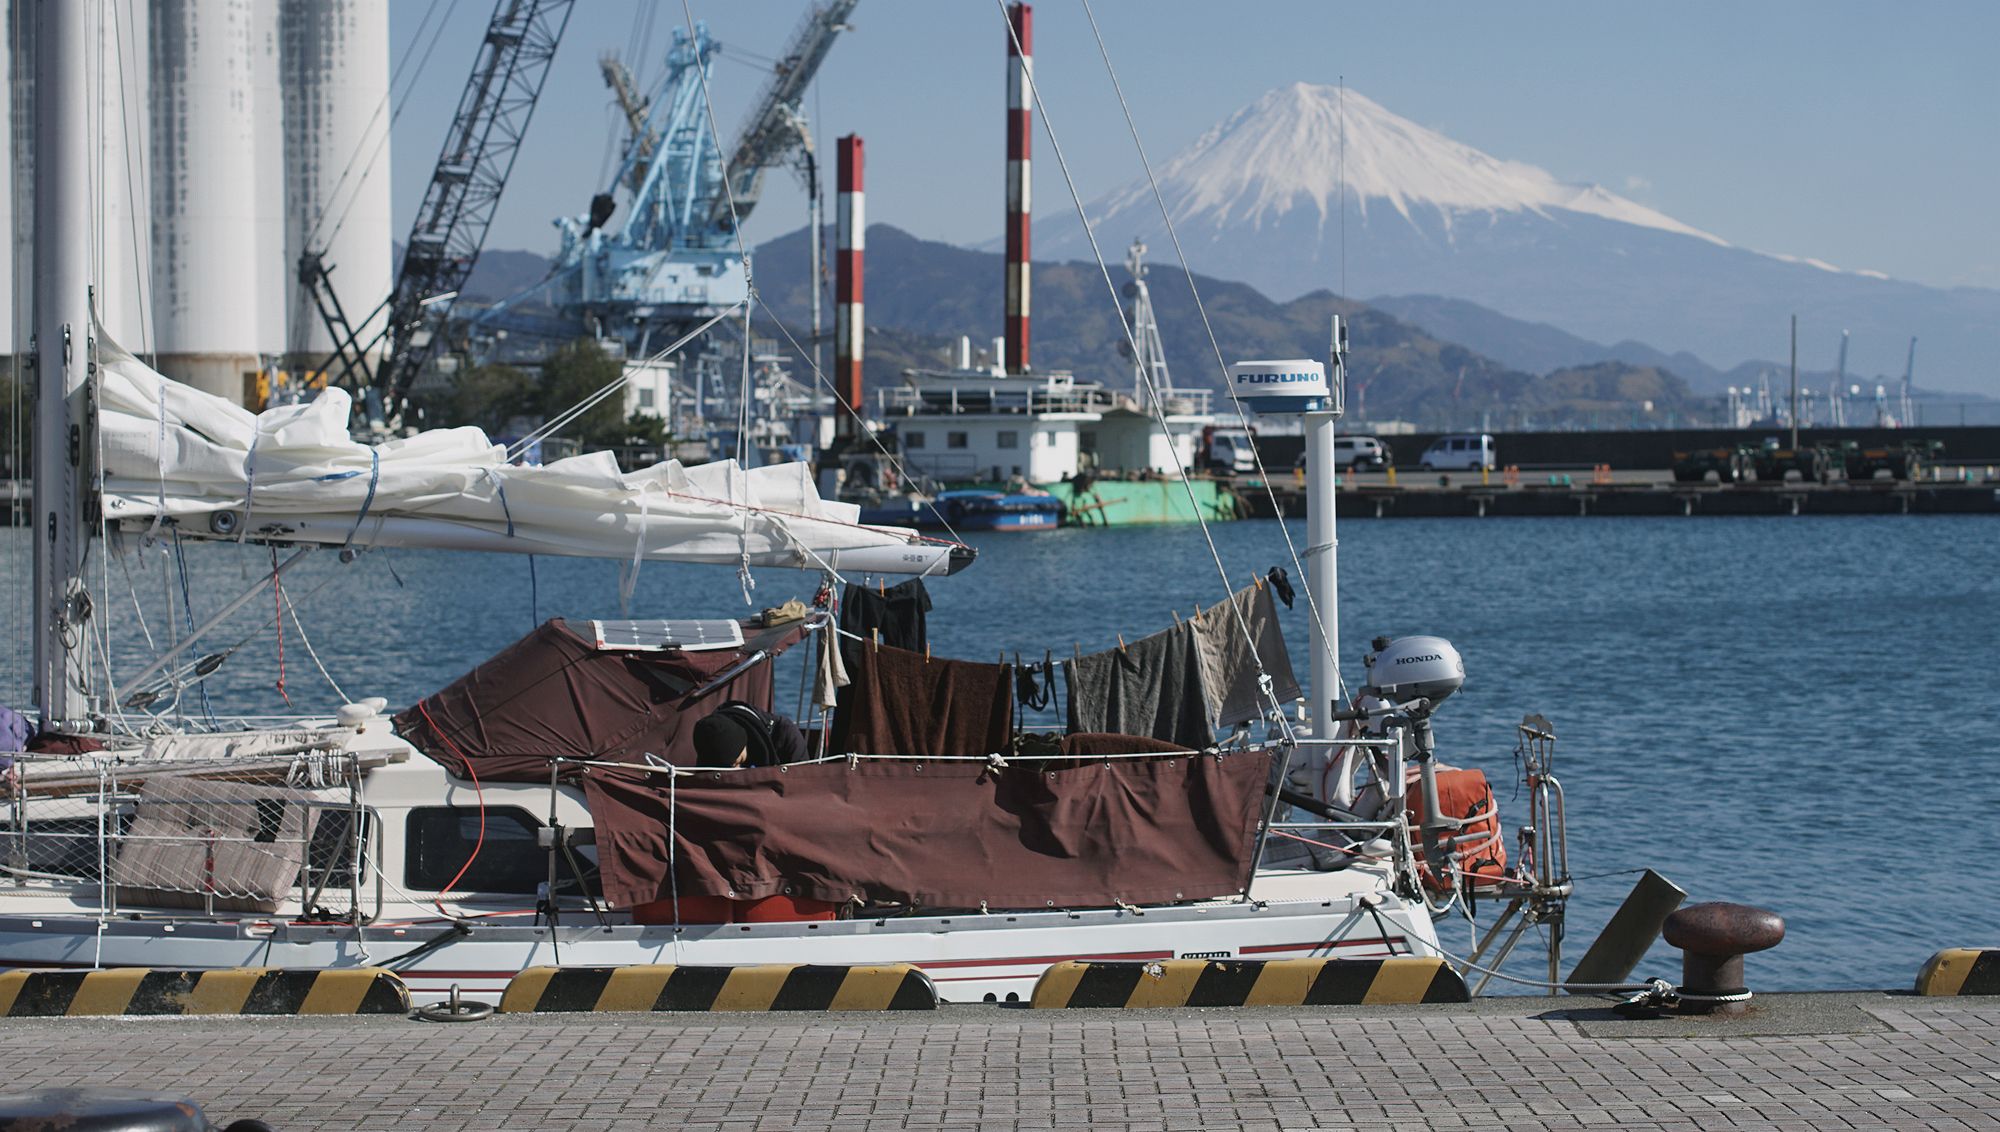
718, 740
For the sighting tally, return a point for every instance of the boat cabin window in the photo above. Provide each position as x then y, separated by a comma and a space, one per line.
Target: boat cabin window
913, 440
956, 440
1010, 439
441, 839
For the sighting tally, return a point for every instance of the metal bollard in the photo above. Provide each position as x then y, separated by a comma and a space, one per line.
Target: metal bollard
1713, 939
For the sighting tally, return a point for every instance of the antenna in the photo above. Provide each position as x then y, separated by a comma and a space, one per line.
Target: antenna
1340, 166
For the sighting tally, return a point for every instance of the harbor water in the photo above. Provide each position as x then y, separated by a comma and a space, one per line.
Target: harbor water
1797, 713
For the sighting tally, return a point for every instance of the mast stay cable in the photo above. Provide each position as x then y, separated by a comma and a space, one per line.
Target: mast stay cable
1153, 182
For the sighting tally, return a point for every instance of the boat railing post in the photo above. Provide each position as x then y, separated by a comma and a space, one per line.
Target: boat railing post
1286, 747
357, 833
106, 891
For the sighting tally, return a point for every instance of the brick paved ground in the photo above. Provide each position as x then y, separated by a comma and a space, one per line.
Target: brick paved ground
1872, 1061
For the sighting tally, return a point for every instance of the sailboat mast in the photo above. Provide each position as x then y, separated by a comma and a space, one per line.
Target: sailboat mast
63, 352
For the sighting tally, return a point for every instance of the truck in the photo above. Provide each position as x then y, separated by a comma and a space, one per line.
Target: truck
1815, 463
1729, 464
1904, 461
1228, 450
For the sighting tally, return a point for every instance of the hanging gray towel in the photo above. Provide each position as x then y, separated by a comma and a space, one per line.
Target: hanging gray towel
1229, 666
1152, 687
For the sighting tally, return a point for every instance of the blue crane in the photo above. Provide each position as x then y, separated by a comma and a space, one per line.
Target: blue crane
673, 260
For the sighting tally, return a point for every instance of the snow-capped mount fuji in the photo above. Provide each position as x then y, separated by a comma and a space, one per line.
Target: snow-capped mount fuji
1283, 152
1259, 196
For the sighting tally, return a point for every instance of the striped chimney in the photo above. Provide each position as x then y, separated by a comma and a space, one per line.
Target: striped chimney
849, 243
1020, 118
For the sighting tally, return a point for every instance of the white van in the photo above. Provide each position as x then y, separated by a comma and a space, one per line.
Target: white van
1467, 451
1361, 453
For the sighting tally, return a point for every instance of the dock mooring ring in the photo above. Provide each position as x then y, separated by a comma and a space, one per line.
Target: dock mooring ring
455, 1009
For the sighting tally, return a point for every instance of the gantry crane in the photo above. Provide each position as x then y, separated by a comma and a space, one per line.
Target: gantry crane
675, 259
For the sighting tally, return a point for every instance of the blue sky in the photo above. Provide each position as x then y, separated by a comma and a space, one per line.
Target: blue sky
1860, 134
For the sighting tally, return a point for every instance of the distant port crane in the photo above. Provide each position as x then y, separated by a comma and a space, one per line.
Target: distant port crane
450, 228
674, 258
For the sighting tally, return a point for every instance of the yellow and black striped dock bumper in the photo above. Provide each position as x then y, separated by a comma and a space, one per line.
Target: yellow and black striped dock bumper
229, 990
668, 987
1234, 982
1960, 970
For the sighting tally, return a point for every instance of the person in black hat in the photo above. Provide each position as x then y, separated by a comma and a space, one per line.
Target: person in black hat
739, 735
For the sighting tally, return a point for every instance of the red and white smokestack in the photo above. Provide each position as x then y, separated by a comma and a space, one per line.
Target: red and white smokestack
849, 243
1020, 120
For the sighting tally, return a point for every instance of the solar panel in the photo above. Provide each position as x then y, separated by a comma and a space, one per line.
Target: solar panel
658, 636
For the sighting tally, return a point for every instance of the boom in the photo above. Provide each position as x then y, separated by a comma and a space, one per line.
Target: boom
775, 127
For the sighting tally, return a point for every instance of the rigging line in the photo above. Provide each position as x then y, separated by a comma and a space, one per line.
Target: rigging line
1173, 235
715, 134
187, 611
1153, 393
861, 423
307, 642
563, 419
395, 105
141, 249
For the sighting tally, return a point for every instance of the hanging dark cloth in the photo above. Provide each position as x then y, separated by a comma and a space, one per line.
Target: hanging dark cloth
904, 703
897, 613
1151, 687
1229, 665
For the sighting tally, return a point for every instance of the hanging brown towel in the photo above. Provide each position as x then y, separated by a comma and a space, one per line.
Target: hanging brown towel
1229, 667
904, 703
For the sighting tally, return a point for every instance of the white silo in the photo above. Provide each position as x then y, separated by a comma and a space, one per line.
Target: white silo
274, 272
121, 167
336, 72
205, 249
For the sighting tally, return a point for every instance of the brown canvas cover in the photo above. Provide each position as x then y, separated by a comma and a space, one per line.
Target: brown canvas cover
555, 693
935, 834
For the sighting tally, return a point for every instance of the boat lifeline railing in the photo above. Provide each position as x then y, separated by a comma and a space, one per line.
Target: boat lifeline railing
243, 834
970, 395
1392, 781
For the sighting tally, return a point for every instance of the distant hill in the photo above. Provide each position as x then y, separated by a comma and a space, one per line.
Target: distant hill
923, 294
922, 291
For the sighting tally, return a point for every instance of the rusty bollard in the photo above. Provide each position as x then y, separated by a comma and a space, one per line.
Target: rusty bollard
1713, 939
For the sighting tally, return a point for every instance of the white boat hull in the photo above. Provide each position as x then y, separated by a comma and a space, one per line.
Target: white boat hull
971, 958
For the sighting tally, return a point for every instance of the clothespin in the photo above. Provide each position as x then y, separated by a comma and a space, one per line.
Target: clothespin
877, 635
1078, 648
1177, 617
1197, 611
1121, 642
1258, 581
927, 652
880, 589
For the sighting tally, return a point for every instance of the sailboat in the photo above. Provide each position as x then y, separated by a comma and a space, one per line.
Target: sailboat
541, 811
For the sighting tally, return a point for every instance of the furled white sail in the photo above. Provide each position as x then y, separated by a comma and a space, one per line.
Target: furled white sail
292, 473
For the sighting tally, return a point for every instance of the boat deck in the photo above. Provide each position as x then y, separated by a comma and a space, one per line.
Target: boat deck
1798, 1061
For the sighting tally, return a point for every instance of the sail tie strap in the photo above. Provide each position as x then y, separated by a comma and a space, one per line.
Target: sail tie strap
374, 478
628, 583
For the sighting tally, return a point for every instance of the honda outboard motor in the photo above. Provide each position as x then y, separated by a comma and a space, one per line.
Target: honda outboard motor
1409, 668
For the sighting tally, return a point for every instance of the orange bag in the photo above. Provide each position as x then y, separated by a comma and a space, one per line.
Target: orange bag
1463, 794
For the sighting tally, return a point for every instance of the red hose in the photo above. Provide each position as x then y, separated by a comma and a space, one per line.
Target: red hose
479, 792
